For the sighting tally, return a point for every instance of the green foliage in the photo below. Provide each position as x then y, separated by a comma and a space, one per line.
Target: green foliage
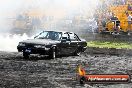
110, 44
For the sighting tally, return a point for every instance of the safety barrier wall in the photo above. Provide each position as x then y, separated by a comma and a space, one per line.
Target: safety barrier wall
109, 51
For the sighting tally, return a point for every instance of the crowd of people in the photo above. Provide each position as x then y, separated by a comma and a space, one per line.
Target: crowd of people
105, 15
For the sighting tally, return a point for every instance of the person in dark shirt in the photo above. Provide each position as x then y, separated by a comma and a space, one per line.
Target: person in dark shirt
116, 23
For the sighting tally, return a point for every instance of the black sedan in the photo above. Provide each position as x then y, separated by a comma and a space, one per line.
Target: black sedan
53, 43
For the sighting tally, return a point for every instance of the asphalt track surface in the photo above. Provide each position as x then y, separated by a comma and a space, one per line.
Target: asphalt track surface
42, 72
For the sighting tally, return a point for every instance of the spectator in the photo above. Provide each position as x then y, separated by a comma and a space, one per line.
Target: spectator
108, 15
123, 2
129, 19
116, 23
129, 7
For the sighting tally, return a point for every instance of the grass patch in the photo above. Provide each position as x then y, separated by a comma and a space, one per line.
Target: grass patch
110, 44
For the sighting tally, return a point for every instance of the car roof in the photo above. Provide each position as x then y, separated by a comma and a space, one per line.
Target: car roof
60, 31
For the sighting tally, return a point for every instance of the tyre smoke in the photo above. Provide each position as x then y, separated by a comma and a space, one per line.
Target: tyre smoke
9, 42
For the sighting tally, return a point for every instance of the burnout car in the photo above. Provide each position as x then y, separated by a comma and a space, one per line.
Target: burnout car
53, 43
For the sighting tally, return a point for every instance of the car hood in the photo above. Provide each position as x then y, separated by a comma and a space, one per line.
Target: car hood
40, 41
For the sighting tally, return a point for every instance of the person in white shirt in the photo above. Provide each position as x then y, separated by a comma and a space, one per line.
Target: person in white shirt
129, 19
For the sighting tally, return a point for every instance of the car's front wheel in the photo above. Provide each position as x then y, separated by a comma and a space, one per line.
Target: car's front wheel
25, 55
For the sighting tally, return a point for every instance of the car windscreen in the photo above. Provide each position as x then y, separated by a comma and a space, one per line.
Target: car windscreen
49, 35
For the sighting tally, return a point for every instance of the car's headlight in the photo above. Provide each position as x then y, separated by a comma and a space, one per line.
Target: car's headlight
21, 44
39, 46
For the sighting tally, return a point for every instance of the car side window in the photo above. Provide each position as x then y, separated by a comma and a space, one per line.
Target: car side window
73, 37
65, 35
57, 36
77, 38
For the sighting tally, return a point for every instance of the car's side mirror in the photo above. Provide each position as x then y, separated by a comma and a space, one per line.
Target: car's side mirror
64, 39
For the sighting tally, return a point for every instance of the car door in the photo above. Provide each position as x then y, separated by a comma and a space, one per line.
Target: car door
74, 42
64, 46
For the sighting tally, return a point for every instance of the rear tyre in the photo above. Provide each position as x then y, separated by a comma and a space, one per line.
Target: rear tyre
25, 55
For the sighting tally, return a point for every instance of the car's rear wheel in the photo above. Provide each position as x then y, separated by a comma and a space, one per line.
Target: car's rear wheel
25, 55
52, 54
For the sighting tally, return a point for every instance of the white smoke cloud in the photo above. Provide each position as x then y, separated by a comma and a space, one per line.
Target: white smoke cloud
9, 42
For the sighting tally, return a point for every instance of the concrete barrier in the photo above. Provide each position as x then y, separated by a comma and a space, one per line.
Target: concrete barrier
108, 51
105, 37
